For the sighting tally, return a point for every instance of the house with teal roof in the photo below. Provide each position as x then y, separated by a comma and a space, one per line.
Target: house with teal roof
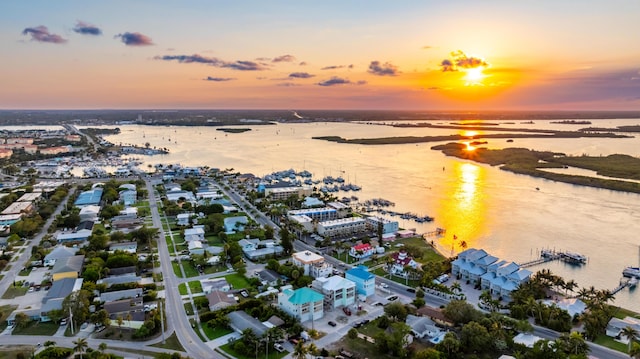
365, 281
304, 303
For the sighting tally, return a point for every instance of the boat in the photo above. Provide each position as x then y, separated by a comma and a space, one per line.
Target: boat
573, 257
631, 272
633, 282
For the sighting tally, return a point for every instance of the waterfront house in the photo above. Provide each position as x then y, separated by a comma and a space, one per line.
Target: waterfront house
304, 303
342, 227
616, 325
365, 282
499, 277
337, 291
388, 226
314, 264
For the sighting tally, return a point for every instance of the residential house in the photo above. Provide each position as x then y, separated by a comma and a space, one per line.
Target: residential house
119, 295
19, 208
69, 267
499, 277
194, 234
89, 213
402, 259
128, 213
184, 218
240, 321
128, 197
314, 264
129, 247
303, 303
361, 251
56, 294
269, 277
337, 291
365, 281
74, 236
218, 300
175, 194
59, 252
215, 284
129, 310
9, 219
257, 249
423, 327
235, 224
119, 279
616, 325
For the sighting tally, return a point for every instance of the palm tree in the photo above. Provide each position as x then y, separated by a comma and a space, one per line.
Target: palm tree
300, 351
570, 285
635, 351
630, 333
456, 287
49, 343
102, 347
80, 346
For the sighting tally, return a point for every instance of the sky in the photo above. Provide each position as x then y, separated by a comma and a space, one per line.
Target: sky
391, 55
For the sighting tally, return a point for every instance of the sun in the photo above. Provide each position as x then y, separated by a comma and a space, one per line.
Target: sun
474, 75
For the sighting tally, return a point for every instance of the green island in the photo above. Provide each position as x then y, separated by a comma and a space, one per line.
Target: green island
533, 163
233, 130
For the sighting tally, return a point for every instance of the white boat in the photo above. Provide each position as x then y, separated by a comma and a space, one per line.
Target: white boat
633, 282
575, 257
631, 272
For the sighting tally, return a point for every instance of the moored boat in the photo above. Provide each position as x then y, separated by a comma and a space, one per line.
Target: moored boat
631, 272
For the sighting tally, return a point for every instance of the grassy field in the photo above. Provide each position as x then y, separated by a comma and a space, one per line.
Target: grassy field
214, 241
171, 342
182, 289
15, 351
188, 308
195, 286
213, 333
237, 281
429, 255
381, 272
176, 269
37, 328
189, 269
13, 292
5, 310
610, 343
621, 313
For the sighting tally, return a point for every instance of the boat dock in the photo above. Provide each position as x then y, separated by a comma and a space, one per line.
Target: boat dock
547, 255
624, 283
437, 233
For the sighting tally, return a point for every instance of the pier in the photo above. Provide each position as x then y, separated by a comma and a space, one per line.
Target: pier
623, 284
437, 233
552, 255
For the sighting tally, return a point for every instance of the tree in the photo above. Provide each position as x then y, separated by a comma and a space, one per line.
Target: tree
428, 353
396, 311
80, 346
300, 351
635, 351
21, 320
352, 333
631, 334
398, 339
102, 347
461, 312
49, 343
449, 344
474, 337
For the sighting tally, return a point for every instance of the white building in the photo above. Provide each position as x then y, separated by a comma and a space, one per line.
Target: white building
388, 226
304, 303
194, 234
342, 227
314, 264
316, 214
282, 193
337, 291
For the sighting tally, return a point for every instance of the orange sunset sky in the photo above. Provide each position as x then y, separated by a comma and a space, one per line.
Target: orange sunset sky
529, 55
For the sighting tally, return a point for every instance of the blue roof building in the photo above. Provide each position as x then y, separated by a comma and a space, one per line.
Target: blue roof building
89, 198
365, 281
304, 303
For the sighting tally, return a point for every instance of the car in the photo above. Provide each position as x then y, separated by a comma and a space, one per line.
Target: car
346, 310
278, 347
377, 304
244, 294
31, 289
384, 285
294, 341
411, 290
357, 324
63, 321
391, 298
332, 323
365, 321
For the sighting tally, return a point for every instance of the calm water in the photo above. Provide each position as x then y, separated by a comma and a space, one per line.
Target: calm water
488, 208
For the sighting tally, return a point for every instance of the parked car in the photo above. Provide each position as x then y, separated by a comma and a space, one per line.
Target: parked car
244, 293
384, 285
411, 290
346, 310
332, 323
278, 347
391, 298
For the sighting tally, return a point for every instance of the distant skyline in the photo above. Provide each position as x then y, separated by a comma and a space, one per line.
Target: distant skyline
378, 55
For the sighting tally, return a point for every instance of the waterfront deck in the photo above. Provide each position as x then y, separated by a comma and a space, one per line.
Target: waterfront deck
552, 255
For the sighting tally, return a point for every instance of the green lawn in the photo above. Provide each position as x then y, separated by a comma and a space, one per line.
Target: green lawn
5, 310
182, 288
370, 329
171, 342
621, 313
25, 272
237, 281
189, 269
382, 273
215, 269
214, 241
195, 286
213, 333
429, 255
13, 292
273, 354
176, 269
188, 308
610, 343
37, 328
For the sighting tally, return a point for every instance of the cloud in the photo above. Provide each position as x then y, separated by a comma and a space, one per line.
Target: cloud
213, 61
284, 58
334, 81
42, 34
361, 82
427, 47
287, 84
218, 79
335, 67
303, 63
385, 69
134, 39
459, 60
87, 29
301, 75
